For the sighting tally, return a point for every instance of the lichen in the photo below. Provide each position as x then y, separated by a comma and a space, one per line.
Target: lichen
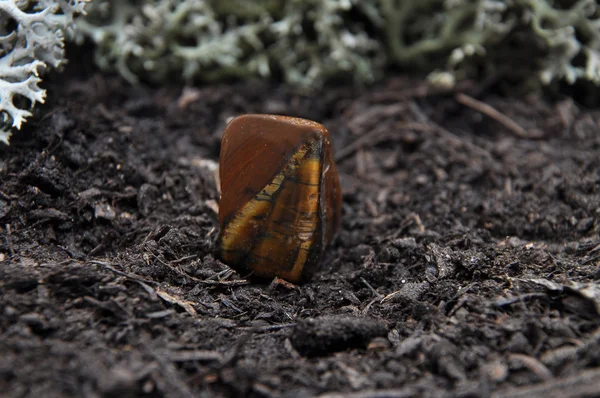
308, 42
304, 41
549, 40
568, 33
32, 39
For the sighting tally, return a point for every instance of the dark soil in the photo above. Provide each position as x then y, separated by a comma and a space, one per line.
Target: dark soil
467, 263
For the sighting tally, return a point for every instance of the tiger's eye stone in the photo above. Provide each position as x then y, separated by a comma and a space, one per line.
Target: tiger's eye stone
280, 196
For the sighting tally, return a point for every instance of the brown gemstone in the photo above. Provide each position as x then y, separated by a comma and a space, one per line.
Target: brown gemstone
280, 196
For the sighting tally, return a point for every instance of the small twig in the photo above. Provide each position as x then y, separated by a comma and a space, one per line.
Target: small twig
5, 196
493, 113
135, 278
229, 304
368, 306
523, 297
175, 269
377, 295
456, 298
160, 314
391, 295
447, 134
50, 114
375, 292
169, 298
269, 328
595, 249
182, 259
534, 365
194, 355
101, 246
221, 275
375, 136
131, 276
276, 327
206, 282
9, 240
235, 282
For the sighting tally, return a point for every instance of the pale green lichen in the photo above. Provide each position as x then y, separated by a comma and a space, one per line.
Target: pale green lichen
304, 41
548, 40
568, 33
307, 42
32, 39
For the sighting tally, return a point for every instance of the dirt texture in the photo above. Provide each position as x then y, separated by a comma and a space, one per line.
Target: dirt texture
467, 265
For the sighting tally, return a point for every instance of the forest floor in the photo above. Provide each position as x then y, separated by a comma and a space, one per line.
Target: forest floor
467, 265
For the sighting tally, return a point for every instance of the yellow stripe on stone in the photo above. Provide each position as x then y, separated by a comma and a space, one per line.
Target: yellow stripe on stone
274, 232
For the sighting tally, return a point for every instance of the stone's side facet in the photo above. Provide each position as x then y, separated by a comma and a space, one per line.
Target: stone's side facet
280, 196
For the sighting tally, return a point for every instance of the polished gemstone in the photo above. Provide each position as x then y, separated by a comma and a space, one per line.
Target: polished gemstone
280, 196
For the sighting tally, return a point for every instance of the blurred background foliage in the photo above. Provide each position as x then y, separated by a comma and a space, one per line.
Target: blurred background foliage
308, 43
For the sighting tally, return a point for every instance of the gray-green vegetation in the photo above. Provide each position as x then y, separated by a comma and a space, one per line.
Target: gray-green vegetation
32, 37
305, 41
308, 42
